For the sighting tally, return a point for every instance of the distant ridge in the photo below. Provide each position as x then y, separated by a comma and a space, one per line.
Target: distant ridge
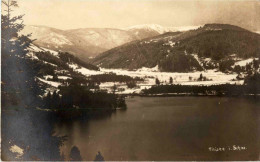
86, 43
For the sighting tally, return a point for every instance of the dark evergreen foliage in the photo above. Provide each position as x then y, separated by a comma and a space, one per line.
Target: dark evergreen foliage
225, 65
111, 77
75, 154
99, 157
19, 96
67, 57
219, 44
172, 51
179, 62
80, 96
157, 81
131, 84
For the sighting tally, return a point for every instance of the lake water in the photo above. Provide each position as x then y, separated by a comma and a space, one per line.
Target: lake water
169, 128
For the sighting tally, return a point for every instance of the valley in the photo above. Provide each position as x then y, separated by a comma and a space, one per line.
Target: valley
148, 76
170, 58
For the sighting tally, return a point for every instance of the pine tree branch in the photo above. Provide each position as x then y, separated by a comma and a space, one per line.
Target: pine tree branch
14, 3
4, 3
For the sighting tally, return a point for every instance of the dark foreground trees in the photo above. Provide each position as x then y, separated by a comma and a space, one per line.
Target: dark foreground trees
21, 124
77, 96
11, 41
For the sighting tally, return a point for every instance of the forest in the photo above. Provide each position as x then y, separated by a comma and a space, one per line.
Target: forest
226, 42
179, 62
81, 99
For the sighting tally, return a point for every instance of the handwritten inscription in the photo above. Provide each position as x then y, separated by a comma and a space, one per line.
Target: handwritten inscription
228, 148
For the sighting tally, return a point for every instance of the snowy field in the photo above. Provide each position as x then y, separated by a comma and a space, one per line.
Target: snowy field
149, 76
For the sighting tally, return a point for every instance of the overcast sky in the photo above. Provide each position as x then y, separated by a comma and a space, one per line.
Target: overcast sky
70, 14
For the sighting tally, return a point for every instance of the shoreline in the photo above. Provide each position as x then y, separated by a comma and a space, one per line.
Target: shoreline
189, 95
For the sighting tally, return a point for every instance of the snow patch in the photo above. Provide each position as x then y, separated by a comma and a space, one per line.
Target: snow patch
34, 48
149, 27
16, 149
244, 62
57, 39
32, 56
64, 77
51, 83
54, 53
184, 28
84, 71
170, 43
145, 69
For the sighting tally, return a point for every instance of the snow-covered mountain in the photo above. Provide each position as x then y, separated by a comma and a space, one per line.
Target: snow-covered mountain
160, 29
48, 35
150, 30
89, 42
83, 43
152, 27
146, 30
106, 38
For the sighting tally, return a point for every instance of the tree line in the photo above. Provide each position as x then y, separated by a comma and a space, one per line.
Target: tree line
251, 86
77, 96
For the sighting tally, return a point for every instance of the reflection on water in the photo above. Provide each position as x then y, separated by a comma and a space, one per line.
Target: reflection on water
168, 128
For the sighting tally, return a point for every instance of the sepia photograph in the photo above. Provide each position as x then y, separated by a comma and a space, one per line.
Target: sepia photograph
130, 80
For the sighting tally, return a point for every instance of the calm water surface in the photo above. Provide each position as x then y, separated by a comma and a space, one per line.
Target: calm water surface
169, 128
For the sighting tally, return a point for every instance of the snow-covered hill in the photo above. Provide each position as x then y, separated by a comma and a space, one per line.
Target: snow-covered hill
57, 68
100, 37
172, 51
150, 27
83, 43
87, 43
47, 36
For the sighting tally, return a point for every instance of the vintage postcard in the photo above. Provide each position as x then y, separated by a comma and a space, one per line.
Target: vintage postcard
130, 80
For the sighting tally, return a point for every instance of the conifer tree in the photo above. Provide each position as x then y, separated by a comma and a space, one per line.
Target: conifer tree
48, 100
11, 41
171, 80
157, 82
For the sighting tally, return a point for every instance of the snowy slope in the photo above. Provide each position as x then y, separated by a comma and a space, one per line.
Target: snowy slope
50, 36
83, 43
103, 37
150, 30
150, 27
46, 60
160, 29
86, 43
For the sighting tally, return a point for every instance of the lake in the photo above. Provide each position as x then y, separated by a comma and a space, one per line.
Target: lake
169, 128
